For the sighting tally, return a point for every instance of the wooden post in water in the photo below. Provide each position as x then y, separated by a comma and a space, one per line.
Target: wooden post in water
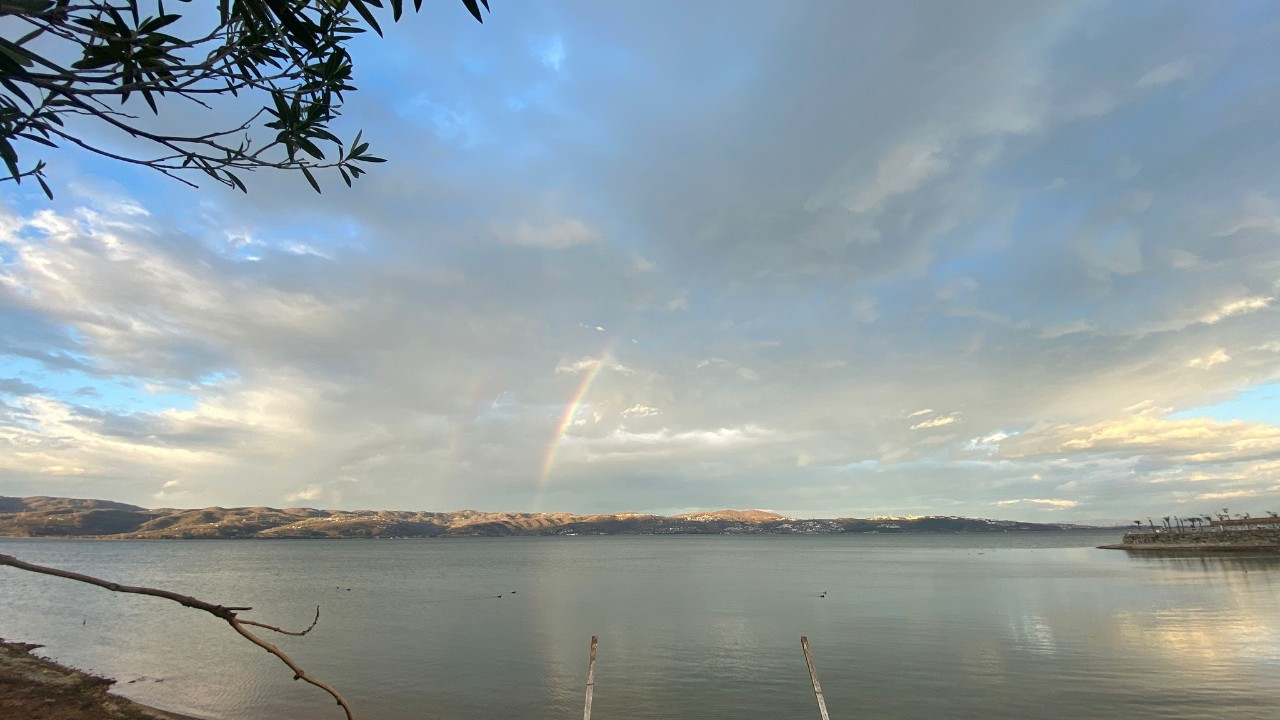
591, 681
813, 675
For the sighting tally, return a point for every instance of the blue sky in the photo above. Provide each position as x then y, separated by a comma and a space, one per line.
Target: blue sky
826, 258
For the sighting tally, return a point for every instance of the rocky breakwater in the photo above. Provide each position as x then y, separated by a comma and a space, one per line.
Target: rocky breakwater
1214, 540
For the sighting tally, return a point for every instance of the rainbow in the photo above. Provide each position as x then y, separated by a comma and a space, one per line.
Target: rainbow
570, 411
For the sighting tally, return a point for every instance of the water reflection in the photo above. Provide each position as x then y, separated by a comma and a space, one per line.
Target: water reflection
1207, 563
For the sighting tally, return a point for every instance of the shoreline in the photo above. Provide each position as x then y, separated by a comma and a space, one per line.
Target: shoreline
537, 535
1188, 549
36, 687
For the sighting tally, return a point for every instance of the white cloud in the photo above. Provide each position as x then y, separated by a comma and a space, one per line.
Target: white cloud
937, 422
1057, 330
550, 52
741, 372
667, 440
1257, 214
1217, 357
908, 167
1230, 495
588, 364
639, 410
1192, 441
1179, 69
990, 443
552, 236
1055, 503
1237, 307
308, 494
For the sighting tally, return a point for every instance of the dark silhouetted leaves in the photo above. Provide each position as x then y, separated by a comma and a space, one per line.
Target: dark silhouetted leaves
294, 51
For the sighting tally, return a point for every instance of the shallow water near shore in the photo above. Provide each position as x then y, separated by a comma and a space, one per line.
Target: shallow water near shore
1005, 625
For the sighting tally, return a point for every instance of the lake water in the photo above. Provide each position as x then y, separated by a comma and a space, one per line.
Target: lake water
1016, 625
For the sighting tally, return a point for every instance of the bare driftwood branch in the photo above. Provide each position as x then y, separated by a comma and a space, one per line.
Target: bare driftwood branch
224, 612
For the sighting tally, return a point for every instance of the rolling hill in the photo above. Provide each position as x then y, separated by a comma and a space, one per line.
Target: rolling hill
71, 517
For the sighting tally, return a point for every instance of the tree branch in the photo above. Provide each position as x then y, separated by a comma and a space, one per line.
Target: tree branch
292, 53
224, 612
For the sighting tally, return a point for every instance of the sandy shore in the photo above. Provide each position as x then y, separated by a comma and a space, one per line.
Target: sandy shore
34, 688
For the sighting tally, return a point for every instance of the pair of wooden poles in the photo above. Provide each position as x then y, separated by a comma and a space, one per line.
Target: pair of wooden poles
804, 645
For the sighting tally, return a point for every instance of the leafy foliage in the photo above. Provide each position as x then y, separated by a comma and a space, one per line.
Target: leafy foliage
89, 59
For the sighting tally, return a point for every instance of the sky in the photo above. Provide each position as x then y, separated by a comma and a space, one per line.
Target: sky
1001, 259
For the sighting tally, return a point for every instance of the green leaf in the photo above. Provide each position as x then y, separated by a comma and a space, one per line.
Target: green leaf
475, 9
150, 26
311, 179
310, 148
367, 15
146, 95
13, 88
37, 139
94, 61
21, 56
282, 107
10, 159
31, 6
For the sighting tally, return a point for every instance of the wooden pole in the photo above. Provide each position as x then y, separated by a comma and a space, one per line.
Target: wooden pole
591, 680
813, 675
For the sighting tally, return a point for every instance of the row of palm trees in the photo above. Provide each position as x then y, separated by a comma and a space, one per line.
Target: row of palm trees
1196, 522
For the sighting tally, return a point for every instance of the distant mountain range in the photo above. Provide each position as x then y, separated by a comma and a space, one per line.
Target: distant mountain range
69, 517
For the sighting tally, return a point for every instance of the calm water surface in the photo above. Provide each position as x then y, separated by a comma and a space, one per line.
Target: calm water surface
1017, 625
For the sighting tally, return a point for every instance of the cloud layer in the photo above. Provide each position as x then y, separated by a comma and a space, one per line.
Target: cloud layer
839, 259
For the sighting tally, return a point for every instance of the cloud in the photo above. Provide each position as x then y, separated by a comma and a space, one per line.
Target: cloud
550, 52
1054, 503
1172, 71
1217, 357
1190, 440
639, 410
14, 386
309, 493
1232, 495
940, 421
589, 364
1127, 168
553, 236
1237, 307
790, 251
904, 170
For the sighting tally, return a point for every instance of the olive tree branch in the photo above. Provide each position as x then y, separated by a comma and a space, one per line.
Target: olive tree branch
291, 53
